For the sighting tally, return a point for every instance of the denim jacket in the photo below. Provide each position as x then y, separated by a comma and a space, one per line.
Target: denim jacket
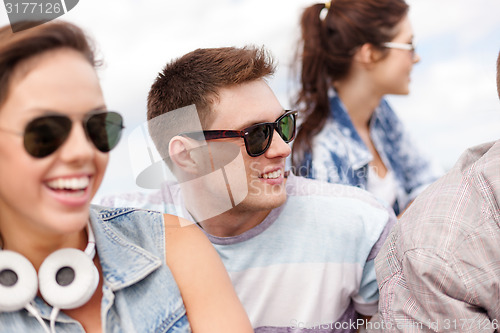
139, 291
340, 156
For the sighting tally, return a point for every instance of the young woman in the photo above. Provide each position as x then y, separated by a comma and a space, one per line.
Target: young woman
67, 266
352, 53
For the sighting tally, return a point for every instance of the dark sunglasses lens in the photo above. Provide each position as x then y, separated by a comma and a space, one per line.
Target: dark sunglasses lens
257, 139
286, 128
45, 135
104, 129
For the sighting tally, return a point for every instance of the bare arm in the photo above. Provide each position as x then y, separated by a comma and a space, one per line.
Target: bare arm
212, 305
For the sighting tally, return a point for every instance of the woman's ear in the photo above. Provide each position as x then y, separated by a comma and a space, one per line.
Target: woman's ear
367, 55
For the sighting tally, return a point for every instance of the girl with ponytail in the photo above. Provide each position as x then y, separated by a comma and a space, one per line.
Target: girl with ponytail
348, 60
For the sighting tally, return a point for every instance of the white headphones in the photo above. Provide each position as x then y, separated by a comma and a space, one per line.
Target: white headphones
67, 279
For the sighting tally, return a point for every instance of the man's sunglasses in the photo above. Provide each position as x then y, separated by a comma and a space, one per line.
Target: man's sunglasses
257, 137
44, 135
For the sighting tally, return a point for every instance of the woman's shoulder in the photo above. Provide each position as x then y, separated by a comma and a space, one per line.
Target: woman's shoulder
181, 235
141, 227
112, 213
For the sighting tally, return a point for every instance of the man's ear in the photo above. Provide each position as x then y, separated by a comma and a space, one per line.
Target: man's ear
180, 149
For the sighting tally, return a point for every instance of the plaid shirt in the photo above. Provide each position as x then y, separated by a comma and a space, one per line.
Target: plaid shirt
439, 269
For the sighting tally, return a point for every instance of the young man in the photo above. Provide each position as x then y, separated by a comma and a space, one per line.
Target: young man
300, 252
440, 268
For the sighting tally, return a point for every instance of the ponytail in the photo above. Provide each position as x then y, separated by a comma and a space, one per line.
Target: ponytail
313, 97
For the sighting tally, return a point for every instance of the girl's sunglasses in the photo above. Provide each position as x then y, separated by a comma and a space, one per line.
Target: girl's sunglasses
257, 137
44, 135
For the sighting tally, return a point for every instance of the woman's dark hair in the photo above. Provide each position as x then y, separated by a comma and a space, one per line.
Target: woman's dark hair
326, 50
19, 46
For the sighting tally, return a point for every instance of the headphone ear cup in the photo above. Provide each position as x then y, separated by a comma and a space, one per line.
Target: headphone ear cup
18, 281
68, 278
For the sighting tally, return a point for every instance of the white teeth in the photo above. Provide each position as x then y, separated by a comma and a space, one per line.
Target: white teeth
272, 175
69, 183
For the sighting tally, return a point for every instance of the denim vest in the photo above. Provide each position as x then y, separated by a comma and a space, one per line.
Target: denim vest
340, 156
139, 292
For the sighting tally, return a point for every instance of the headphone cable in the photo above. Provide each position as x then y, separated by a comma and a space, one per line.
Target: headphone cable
53, 316
31, 309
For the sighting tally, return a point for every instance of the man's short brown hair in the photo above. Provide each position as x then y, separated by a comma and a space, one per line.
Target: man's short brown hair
196, 79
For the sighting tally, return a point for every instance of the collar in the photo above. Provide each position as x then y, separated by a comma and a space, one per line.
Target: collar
358, 154
123, 262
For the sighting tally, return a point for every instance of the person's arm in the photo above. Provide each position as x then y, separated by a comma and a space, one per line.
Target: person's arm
211, 303
433, 297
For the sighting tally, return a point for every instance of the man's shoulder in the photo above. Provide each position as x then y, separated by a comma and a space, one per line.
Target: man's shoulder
457, 206
485, 155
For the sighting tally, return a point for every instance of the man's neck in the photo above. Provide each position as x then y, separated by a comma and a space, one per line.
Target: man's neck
233, 222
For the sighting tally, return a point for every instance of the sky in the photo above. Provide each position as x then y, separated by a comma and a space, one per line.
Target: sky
452, 105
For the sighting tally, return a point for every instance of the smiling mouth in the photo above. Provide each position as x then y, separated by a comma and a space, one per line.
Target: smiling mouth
272, 175
69, 185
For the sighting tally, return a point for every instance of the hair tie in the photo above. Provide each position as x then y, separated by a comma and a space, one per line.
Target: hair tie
328, 4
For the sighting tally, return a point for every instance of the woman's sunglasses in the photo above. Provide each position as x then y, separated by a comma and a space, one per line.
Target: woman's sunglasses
44, 135
257, 137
